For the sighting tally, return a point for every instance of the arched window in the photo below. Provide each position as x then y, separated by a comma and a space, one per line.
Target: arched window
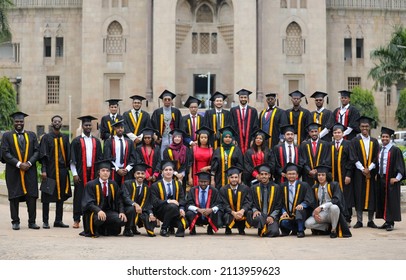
204, 14
114, 38
294, 42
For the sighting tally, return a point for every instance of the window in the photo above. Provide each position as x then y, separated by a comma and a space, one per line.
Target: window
115, 38
204, 43
10, 52
204, 14
353, 82
360, 48
293, 85
47, 46
114, 88
105, 3
195, 43
293, 40
303, 4
388, 97
52, 89
114, 3
284, 4
124, 3
214, 43
59, 47
347, 49
293, 4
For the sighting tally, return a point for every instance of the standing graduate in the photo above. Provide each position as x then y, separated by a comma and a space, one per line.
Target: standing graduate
191, 122
136, 119
322, 116
347, 115
106, 122
298, 116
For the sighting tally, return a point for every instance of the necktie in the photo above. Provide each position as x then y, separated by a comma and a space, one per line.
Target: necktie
136, 116
265, 200
193, 127
21, 141
169, 190
314, 144
113, 118
337, 145
218, 121
104, 189
243, 121
290, 153
291, 196
323, 195
203, 199
121, 151
381, 161
139, 190
268, 114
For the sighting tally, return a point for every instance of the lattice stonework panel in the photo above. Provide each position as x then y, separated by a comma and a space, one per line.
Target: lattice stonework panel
227, 32
52, 89
115, 38
182, 30
204, 43
293, 39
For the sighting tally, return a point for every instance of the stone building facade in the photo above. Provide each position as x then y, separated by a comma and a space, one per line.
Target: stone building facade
68, 56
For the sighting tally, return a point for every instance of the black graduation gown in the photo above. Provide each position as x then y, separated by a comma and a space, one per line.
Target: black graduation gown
55, 159
388, 195
249, 172
106, 130
213, 200
210, 120
135, 126
219, 165
248, 125
272, 126
20, 183
326, 119
281, 157
365, 189
308, 161
302, 194
231, 202
186, 125
351, 120
157, 119
342, 165
300, 119
181, 166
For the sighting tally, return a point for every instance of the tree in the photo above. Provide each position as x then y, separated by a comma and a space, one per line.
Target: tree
5, 33
401, 110
364, 101
391, 66
8, 104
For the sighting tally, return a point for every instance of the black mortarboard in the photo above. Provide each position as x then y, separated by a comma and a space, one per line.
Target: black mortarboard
118, 123
178, 131
229, 129
291, 166
263, 168
233, 170
243, 91
345, 93
113, 101
18, 115
323, 168
312, 126
137, 97
339, 126
288, 127
192, 99
87, 118
167, 93
258, 132
271, 95
141, 167
205, 129
387, 130
149, 131
318, 94
296, 93
166, 163
105, 163
365, 119
218, 94
204, 175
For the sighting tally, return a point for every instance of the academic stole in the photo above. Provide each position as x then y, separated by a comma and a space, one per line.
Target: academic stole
113, 151
56, 159
333, 165
319, 121
299, 125
84, 160
223, 163
237, 208
148, 159
387, 182
367, 163
170, 153
271, 200
20, 158
283, 161
192, 224
161, 122
309, 153
136, 125
99, 191
244, 142
215, 128
162, 196
111, 131
190, 128
286, 194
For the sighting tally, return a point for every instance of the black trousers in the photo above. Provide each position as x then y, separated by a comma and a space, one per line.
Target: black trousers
31, 208
58, 211
169, 215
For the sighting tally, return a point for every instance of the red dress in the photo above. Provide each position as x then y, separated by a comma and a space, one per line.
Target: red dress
201, 158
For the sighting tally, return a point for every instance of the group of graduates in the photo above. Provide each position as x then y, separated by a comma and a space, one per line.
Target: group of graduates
280, 171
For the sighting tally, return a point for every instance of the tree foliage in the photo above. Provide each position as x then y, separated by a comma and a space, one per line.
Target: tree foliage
401, 110
8, 104
5, 33
364, 101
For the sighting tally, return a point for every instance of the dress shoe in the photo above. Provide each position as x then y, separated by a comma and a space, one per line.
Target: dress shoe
371, 224
347, 235
300, 234
135, 231
210, 230
46, 226
164, 232
333, 234
193, 231
16, 226
60, 224
358, 225
384, 226
228, 231
284, 232
390, 227
241, 231
294, 232
127, 232
33, 226
150, 234
75, 224
180, 233
171, 230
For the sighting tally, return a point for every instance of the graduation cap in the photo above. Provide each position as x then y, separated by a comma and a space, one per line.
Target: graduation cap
18, 115
233, 170
365, 119
137, 97
228, 129
297, 93
291, 166
87, 118
105, 163
318, 94
288, 127
260, 132
167, 93
216, 95
339, 126
119, 123
166, 163
141, 167
345, 93
206, 130
312, 126
386, 130
244, 91
149, 131
192, 99
178, 131
323, 168
271, 95
263, 168
206, 176
113, 101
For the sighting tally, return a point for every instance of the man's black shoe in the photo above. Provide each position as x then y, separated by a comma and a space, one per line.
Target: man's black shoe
135, 231
300, 234
384, 226
210, 230
46, 226
241, 231
228, 231
333, 234
171, 230
60, 224
371, 224
16, 226
33, 226
358, 225
193, 231
180, 233
164, 233
390, 227
127, 232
